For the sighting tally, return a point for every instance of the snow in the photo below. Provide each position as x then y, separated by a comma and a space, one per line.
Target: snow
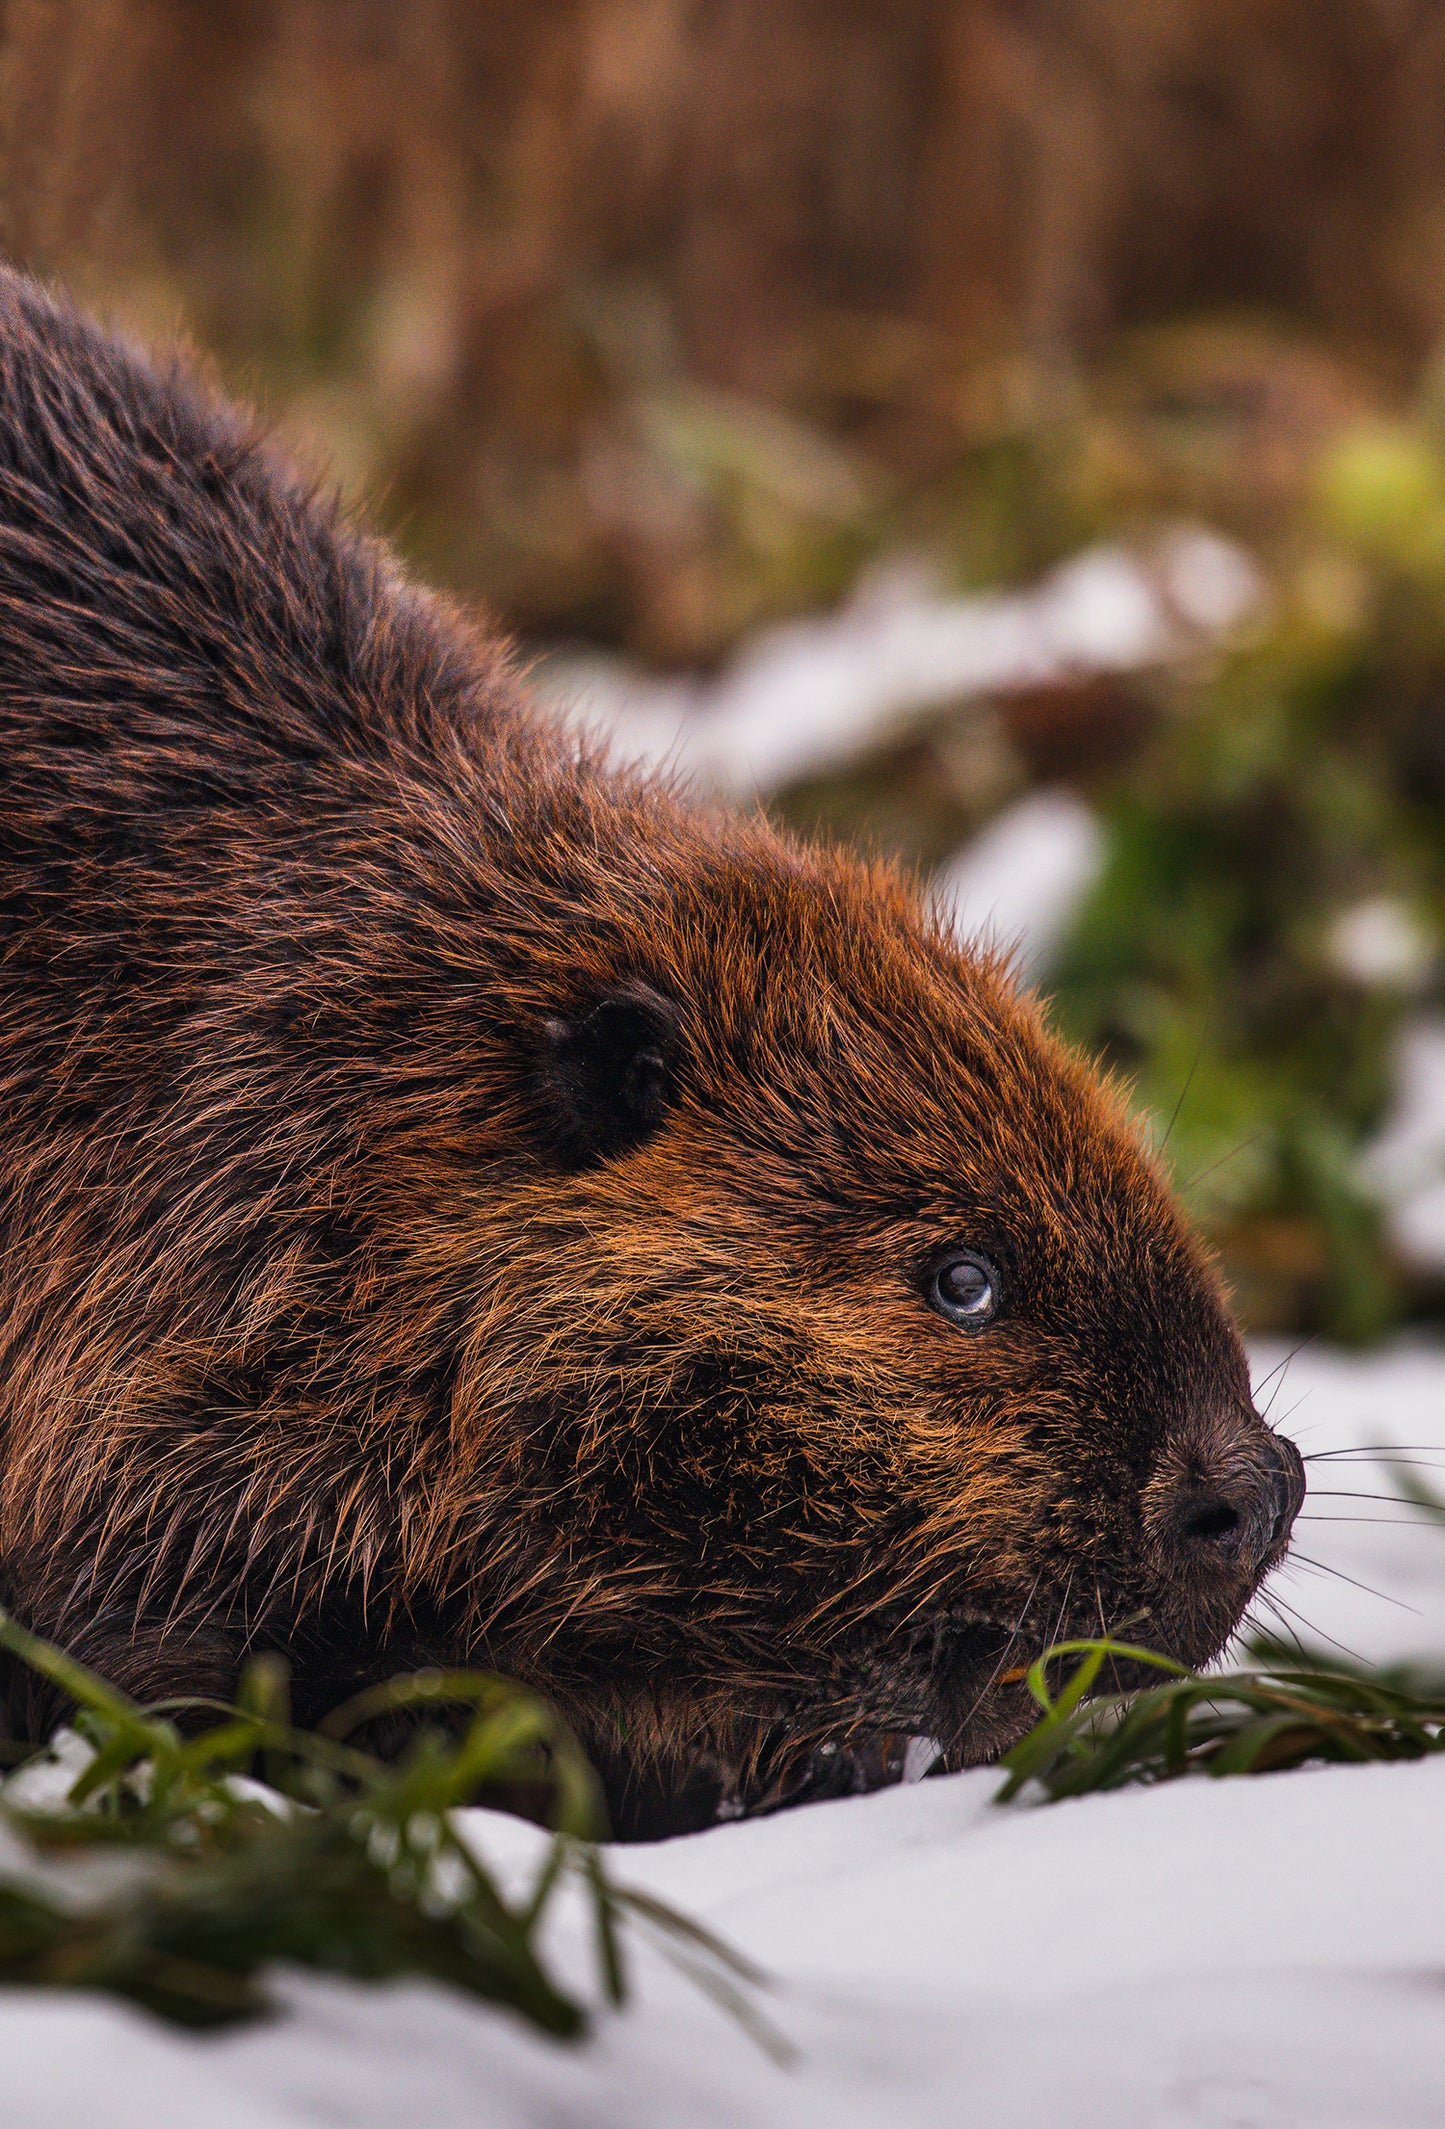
1245, 1953
1019, 882
1406, 1163
1382, 944
808, 696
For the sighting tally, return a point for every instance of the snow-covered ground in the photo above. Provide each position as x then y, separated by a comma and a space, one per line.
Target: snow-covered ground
1245, 1954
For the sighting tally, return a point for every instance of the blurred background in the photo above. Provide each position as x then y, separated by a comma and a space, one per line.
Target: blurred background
1010, 433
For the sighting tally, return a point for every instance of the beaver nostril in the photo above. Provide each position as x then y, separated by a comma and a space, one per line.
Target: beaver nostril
1239, 1516
1211, 1520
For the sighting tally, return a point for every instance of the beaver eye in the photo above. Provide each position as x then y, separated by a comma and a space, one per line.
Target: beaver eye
966, 1289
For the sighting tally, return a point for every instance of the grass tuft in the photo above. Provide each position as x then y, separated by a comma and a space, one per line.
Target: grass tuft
179, 1870
1282, 1714
1295, 1708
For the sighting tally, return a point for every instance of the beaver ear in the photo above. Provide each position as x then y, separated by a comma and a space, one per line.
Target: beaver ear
609, 1074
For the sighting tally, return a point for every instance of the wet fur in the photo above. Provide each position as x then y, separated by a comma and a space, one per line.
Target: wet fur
458, 1202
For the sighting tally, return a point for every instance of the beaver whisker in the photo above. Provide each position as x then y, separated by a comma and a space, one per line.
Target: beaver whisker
1320, 1567
1280, 1604
1009, 1646
1249, 1624
1280, 1370
1407, 1453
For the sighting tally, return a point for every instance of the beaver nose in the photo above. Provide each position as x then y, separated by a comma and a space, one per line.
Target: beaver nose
1242, 1512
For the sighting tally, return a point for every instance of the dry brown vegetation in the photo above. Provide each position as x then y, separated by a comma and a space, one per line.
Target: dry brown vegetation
639, 315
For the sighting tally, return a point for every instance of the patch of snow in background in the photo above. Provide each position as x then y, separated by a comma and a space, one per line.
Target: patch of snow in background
1382, 943
808, 696
1019, 882
1406, 1163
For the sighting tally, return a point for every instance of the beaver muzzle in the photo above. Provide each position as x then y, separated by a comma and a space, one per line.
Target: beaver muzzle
1217, 1513
1226, 1497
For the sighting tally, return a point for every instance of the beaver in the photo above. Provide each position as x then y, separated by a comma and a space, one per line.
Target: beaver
461, 1203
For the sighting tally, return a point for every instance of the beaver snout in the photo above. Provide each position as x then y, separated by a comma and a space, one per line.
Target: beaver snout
1227, 1497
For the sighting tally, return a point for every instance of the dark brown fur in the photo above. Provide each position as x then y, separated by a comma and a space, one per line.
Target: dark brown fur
457, 1202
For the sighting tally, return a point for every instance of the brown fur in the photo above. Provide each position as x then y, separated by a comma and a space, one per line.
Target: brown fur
457, 1202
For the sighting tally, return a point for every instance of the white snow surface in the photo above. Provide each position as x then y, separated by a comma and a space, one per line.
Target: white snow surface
1247, 1953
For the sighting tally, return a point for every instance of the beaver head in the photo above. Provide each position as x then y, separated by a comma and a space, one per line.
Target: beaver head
845, 1343
457, 1202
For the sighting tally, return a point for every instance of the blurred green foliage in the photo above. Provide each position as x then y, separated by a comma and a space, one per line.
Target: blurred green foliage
1273, 903
1275, 891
